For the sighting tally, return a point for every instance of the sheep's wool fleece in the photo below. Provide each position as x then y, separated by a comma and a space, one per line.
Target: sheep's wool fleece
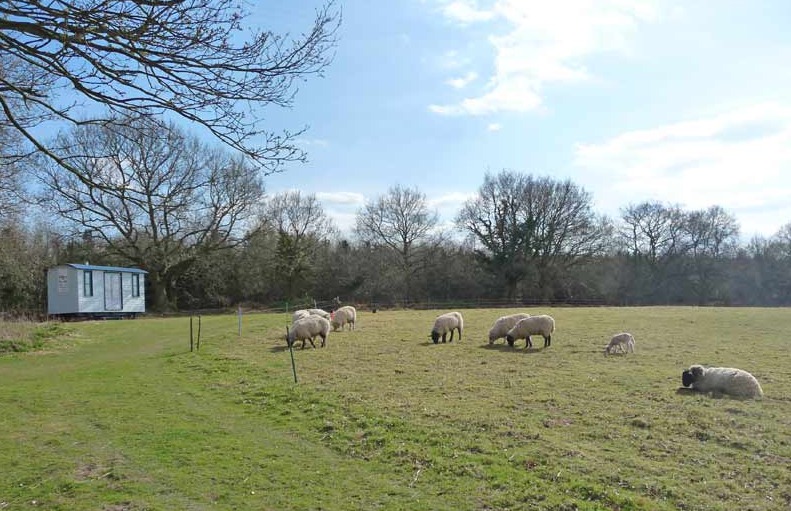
728, 380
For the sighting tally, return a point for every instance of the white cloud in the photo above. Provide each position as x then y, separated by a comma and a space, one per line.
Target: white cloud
740, 160
494, 126
345, 198
465, 11
546, 42
463, 81
345, 221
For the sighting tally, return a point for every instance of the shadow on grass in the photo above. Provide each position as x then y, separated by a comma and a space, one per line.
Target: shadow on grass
515, 349
281, 348
685, 391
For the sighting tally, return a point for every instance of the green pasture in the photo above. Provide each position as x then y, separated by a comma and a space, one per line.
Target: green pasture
121, 416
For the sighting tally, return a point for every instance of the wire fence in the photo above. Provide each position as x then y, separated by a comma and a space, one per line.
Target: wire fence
39, 315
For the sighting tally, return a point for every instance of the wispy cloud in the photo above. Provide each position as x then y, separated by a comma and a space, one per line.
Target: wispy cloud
545, 42
452, 200
316, 142
462, 81
344, 198
739, 160
452, 60
494, 126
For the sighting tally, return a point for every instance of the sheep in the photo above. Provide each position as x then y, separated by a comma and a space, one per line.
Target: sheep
308, 328
722, 380
503, 325
534, 325
623, 341
447, 323
342, 316
320, 312
299, 314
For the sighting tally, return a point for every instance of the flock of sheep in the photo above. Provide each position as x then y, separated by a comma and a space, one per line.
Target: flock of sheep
308, 324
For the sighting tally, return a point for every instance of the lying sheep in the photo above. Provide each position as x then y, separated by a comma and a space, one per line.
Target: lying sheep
624, 342
342, 316
447, 323
308, 328
503, 325
722, 380
534, 325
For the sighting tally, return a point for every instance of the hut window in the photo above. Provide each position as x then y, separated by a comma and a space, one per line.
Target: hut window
135, 284
87, 283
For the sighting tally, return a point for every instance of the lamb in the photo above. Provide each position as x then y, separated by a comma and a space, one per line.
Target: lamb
447, 323
623, 342
503, 325
534, 325
722, 380
342, 316
308, 328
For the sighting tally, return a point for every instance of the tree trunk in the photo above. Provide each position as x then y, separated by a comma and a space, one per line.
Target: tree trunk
159, 292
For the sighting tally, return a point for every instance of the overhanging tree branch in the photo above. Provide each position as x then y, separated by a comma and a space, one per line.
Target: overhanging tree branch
145, 58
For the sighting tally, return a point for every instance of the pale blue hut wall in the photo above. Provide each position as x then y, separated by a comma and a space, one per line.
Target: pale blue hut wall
66, 291
62, 292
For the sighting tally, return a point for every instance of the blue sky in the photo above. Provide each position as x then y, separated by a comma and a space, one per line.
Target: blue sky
683, 102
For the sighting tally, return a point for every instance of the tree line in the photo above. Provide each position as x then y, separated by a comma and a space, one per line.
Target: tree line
208, 240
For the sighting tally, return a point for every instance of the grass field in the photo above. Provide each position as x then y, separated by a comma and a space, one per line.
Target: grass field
121, 416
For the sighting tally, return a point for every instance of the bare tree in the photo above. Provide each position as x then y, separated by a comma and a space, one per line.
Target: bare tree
712, 235
12, 153
658, 243
94, 61
402, 221
163, 196
528, 225
301, 226
496, 219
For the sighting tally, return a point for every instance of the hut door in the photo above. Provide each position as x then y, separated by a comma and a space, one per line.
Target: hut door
113, 301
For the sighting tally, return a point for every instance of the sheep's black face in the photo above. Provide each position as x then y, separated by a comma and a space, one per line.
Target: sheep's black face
510, 340
687, 378
435, 336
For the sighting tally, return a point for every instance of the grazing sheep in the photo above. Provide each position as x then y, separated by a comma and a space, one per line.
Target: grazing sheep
320, 312
342, 316
309, 328
534, 325
722, 380
624, 342
447, 323
503, 325
299, 314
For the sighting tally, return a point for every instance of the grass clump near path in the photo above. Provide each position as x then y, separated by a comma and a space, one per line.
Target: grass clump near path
124, 417
19, 336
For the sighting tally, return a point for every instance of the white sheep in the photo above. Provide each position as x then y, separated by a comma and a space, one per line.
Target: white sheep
534, 325
624, 342
308, 328
299, 314
342, 316
320, 312
503, 325
447, 323
722, 380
